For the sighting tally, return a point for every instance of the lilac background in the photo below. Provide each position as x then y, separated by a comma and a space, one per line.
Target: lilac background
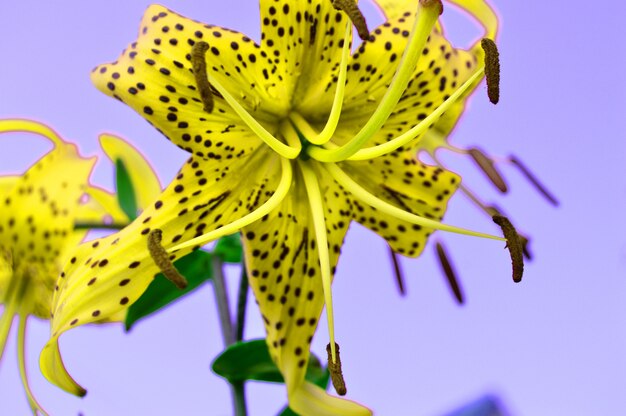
553, 344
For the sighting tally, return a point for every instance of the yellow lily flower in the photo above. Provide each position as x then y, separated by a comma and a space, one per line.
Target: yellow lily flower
291, 140
37, 228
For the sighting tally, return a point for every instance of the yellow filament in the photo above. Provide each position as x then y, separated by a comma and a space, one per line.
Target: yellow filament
335, 111
281, 192
390, 146
426, 18
319, 223
303, 126
28, 126
275, 144
21, 341
347, 183
290, 134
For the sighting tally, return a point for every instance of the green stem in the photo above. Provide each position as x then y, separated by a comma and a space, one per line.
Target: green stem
98, 225
226, 325
242, 301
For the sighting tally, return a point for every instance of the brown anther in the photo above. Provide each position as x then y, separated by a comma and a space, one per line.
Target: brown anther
334, 367
533, 179
350, 8
398, 271
494, 210
514, 244
198, 62
433, 3
162, 259
492, 69
449, 272
485, 163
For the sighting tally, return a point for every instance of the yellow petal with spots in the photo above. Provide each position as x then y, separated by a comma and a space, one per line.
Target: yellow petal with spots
6, 183
441, 69
284, 271
154, 76
145, 182
304, 39
405, 182
105, 276
40, 208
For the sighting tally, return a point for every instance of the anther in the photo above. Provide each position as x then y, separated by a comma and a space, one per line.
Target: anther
485, 163
533, 179
433, 3
514, 244
350, 8
334, 367
525, 240
198, 62
162, 259
492, 69
449, 272
398, 271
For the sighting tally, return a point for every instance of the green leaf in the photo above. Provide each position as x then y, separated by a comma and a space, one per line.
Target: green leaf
195, 267
229, 248
125, 191
250, 360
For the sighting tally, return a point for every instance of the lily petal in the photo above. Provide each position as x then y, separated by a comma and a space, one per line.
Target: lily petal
309, 399
142, 176
157, 69
284, 271
405, 182
105, 276
303, 34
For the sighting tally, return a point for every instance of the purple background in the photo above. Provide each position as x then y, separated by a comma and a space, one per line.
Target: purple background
553, 344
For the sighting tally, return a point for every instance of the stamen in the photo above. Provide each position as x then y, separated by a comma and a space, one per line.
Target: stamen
391, 145
21, 342
514, 245
319, 223
357, 191
485, 163
275, 144
277, 197
162, 260
334, 367
493, 210
198, 62
444, 261
28, 126
427, 15
534, 180
397, 270
492, 69
350, 8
